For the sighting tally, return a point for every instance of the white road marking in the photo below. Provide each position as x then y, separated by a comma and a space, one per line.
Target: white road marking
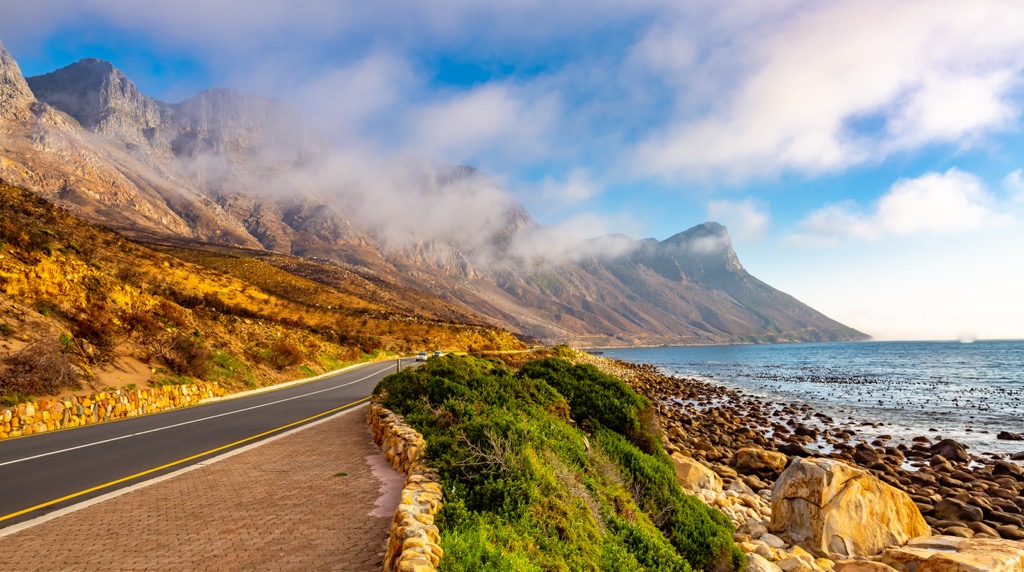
93, 444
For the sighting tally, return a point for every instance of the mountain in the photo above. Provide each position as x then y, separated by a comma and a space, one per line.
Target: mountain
232, 169
16, 98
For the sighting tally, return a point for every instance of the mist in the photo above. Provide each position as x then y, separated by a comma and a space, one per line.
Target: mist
435, 210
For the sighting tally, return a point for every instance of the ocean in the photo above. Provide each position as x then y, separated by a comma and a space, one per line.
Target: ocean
964, 391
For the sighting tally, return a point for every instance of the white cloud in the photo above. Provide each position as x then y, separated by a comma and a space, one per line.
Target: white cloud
834, 84
1014, 186
577, 187
582, 236
354, 102
935, 203
723, 91
745, 219
494, 119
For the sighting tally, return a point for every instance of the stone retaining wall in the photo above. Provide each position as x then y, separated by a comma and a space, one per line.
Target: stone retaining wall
413, 543
61, 413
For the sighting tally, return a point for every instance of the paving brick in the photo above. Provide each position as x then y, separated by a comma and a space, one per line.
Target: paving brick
278, 506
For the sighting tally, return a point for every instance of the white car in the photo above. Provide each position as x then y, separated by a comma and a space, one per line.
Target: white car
422, 356
438, 353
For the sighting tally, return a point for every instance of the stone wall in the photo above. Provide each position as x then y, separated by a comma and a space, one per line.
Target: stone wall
61, 413
413, 543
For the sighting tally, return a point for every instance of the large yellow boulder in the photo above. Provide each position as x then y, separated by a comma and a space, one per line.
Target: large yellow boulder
839, 511
951, 554
694, 476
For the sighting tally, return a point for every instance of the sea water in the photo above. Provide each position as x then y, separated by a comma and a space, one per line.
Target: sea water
964, 391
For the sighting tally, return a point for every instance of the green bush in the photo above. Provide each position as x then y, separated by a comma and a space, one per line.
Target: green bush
599, 400
526, 489
701, 534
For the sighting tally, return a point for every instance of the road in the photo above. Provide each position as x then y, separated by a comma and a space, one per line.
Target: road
49, 471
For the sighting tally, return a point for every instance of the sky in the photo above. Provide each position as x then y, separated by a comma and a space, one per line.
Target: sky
866, 155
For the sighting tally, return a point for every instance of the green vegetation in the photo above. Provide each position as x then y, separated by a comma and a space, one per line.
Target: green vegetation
553, 467
231, 370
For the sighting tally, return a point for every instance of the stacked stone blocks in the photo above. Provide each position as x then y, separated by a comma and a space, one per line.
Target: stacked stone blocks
66, 412
413, 543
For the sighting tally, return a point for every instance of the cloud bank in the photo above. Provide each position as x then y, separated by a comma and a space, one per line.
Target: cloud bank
675, 91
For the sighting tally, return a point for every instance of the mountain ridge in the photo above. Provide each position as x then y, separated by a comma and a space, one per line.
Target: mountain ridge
236, 169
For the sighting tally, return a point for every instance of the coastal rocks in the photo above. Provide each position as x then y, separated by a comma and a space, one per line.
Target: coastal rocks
724, 420
756, 459
957, 510
951, 450
758, 563
1007, 436
694, 476
951, 554
861, 566
840, 511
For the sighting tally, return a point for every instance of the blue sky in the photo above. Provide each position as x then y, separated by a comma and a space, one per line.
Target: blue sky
864, 154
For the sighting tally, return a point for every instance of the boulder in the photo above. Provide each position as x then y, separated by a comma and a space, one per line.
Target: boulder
957, 511
861, 566
694, 476
759, 460
951, 450
839, 511
1007, 468
758, 563
794, 450
946, 554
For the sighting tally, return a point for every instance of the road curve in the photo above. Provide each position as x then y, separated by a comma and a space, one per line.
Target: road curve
49, 471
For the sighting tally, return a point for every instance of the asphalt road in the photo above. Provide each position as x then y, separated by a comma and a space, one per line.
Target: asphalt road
49, 471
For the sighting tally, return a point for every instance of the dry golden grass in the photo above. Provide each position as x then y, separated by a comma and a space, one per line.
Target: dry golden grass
238, 317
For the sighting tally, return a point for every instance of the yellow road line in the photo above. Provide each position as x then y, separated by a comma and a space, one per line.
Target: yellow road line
180, 461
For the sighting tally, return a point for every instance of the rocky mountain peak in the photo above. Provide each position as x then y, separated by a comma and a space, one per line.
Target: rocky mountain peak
16, 98
101, 98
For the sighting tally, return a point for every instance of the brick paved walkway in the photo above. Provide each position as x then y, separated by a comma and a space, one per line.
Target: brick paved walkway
278, 506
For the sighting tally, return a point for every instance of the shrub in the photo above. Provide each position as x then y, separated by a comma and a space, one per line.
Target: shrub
284, 354
141, 322
599, 400
39, 369
701, 534
99, 329
186, 355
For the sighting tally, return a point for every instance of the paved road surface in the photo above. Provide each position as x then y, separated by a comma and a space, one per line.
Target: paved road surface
317, 498
49, 471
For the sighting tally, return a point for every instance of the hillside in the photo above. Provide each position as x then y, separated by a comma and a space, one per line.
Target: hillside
237, 170
80, 304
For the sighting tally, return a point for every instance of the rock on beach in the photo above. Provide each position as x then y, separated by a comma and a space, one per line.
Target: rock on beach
840, 511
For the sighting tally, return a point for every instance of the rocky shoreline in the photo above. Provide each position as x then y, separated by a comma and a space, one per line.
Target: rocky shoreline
748, 442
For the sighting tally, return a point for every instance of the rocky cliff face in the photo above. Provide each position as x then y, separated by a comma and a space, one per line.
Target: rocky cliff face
16, 98
102, 99
215, 168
